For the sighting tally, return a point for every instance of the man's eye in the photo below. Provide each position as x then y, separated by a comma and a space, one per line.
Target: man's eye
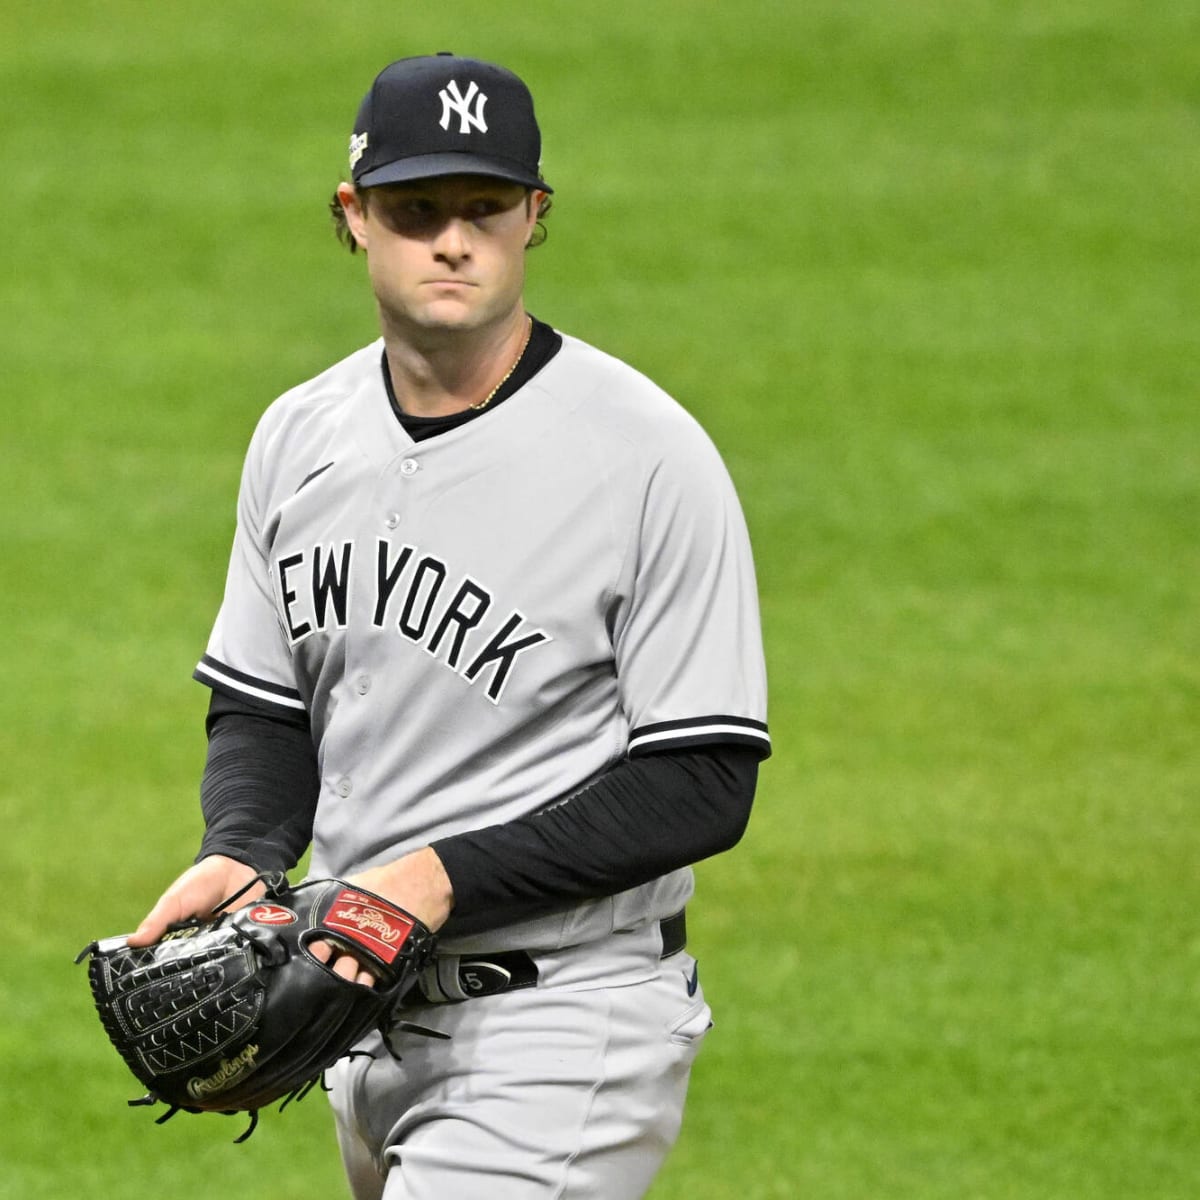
408, 208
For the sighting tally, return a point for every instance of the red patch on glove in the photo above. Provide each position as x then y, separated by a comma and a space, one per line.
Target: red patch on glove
369, 922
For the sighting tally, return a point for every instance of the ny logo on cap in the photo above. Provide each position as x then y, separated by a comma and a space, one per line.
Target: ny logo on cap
454, 101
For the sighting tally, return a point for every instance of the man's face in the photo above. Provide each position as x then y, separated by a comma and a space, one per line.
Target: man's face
445, 254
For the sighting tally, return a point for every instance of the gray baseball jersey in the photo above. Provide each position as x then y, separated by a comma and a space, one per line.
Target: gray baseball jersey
482, 623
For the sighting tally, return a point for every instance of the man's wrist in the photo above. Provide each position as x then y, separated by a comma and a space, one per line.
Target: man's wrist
416, 882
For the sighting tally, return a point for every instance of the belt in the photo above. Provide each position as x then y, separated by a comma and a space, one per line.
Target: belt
452, 978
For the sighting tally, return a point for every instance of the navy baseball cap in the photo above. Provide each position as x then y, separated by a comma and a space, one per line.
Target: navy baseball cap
445, 115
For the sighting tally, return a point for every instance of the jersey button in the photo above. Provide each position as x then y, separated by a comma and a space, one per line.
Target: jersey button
409, 466
344, 788
393, 519
363, 686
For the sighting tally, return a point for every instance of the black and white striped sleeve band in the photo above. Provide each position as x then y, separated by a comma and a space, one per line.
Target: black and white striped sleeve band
226, 679
700, 731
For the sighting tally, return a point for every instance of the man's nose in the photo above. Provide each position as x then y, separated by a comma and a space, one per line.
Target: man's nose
453, 241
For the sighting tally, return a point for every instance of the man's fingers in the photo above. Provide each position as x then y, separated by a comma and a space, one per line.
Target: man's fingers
154, 923
345, 965
352, 971
195, 894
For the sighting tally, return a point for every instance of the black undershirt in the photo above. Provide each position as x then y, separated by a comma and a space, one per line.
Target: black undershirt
645, 817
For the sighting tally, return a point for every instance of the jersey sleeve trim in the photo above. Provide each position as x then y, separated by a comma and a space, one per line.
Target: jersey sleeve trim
700, 731
216, 674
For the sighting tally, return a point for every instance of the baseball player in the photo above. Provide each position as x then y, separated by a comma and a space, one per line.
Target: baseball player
489, 641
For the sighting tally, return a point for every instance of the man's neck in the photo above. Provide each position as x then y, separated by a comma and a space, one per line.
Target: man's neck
436, 373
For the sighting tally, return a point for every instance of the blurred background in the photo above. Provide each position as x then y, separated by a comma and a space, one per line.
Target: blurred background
927, 273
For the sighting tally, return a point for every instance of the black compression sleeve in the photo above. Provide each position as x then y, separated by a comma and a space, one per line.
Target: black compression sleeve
647, 816
260, 785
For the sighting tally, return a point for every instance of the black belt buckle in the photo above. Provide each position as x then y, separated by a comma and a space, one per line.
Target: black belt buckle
451, 979
499, 973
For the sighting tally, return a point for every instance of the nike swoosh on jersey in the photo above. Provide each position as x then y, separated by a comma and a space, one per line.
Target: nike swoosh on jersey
313, 474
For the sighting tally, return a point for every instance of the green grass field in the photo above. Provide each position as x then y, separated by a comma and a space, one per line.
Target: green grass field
927, 272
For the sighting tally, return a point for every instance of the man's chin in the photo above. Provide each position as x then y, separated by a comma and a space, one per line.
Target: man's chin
448, 314
445, 315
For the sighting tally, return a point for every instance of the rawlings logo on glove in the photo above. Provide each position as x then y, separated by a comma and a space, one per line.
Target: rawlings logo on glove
230, 1014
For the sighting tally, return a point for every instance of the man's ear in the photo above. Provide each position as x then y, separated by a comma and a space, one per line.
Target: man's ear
356, 217
533, 206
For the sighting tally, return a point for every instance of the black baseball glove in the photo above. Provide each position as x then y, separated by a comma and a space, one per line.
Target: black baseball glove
230, 1014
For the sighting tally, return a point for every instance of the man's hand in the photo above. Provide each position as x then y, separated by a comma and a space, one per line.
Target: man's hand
195, 894
418, 883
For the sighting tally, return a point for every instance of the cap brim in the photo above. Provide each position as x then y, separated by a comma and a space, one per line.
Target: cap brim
434, 166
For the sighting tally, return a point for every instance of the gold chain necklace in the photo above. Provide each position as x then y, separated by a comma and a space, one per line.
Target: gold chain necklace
507, 374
